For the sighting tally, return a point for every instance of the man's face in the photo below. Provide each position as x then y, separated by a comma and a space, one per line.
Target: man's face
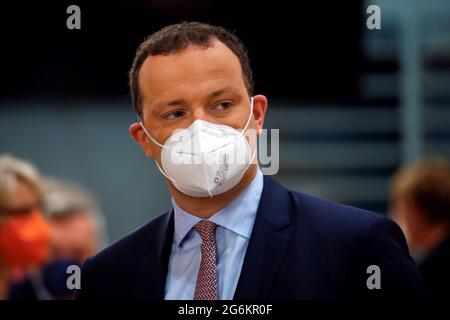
74, 236
195, 83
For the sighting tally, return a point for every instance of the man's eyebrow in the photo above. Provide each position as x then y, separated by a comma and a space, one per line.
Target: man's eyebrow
169, 103
217, 93
182, 102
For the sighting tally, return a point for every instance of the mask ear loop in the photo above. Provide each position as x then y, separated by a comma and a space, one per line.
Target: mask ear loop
250, 162
159, 144
245, 129
149, 135
156, 162
249, 118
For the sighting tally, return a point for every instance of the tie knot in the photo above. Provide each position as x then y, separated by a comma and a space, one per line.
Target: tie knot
206, 230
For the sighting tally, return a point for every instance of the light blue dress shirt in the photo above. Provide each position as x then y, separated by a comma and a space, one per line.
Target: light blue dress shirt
234, 226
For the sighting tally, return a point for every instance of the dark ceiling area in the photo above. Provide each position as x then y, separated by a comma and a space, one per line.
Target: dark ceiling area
303, 51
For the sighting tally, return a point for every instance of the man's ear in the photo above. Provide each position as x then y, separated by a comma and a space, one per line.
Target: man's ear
138, 134
259, 111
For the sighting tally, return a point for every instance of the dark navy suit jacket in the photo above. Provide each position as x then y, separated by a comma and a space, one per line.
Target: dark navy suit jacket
301, 247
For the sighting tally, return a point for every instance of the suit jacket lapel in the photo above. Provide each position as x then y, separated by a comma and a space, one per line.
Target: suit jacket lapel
267, 246
268, 243
151, 276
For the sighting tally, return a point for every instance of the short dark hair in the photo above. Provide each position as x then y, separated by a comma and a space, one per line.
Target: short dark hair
427, 185
177, 37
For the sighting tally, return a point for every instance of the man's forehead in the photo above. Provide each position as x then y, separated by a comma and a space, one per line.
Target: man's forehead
192, 69
190, 62
214, 50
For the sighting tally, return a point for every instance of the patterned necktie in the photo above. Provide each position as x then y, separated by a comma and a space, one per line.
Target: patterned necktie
206, 287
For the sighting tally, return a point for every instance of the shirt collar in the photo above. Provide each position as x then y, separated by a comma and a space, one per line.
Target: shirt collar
238, 216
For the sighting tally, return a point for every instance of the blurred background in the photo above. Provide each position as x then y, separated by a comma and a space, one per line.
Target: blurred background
352, 104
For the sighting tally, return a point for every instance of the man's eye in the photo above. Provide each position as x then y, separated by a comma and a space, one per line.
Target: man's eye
173, 115
223, 106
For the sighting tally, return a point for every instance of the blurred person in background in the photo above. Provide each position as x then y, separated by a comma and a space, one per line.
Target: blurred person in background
77, 229
25, 236
76, 220
420, 203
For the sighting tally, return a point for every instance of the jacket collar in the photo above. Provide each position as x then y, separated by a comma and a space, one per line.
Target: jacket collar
267, 246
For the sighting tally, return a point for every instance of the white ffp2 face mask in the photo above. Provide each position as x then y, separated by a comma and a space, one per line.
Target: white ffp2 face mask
205, 159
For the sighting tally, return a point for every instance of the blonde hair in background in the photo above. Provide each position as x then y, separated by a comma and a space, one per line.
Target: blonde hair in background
13, 169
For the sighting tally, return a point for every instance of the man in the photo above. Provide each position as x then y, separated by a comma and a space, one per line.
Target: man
420, 203
232, 233
76, 220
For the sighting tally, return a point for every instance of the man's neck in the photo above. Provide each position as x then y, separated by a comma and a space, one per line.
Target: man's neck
205, 207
